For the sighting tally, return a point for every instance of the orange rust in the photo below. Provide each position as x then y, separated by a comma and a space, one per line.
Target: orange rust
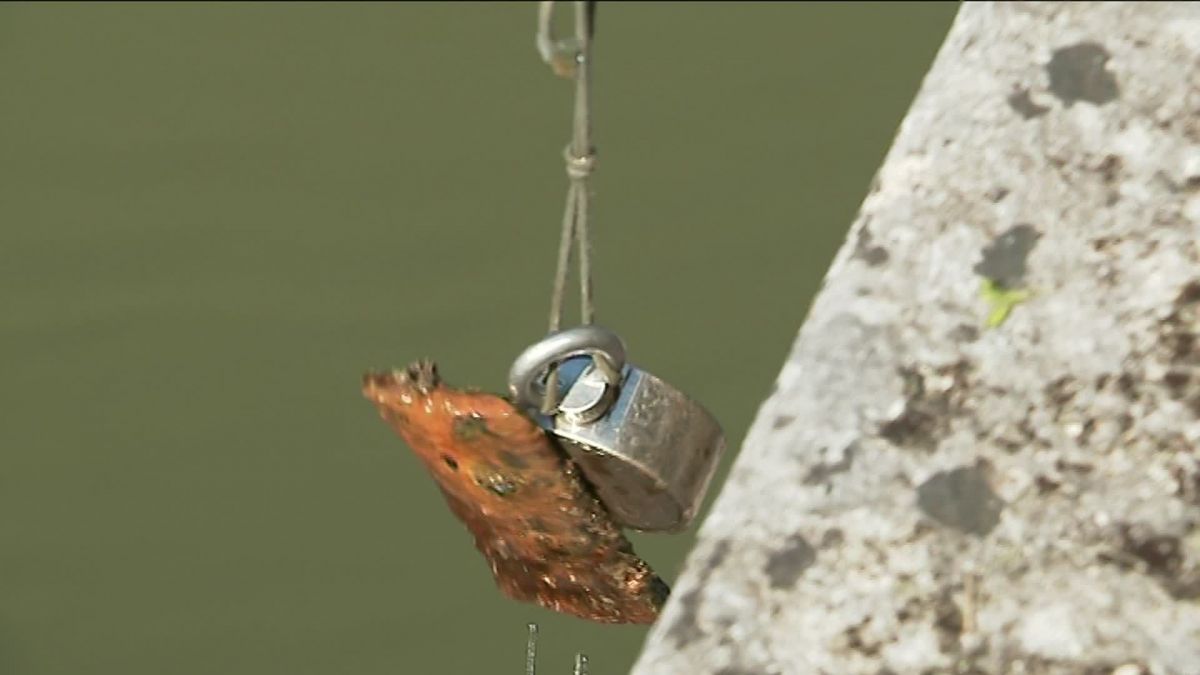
547, 539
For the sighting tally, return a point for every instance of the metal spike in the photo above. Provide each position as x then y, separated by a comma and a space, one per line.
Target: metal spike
531, 650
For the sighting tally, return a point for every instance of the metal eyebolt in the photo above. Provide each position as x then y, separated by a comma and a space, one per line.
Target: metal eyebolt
604, 347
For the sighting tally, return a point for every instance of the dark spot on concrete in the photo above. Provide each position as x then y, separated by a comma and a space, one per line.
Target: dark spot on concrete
1019, 101
450, 462
1110, 168
1094, 668
855, 641
686, 630
1060, 392
1005, 258
782, 421
1170, 184
962, 499
920, 529
964, 332
1179, 344
822, 472
718, 555
513, 460
927, 411
1162, 554
1127, 385
1085, 432
1046, 485
1014, 661
911, 608
875, 256
910, 427
470, 427
832, 537
785, 566
997, 193
1187, 484
1159, 555
1177, 382
1193, 404
1189, 294
1185, 586
947, 622
1078, 73
1013, 438
865, 250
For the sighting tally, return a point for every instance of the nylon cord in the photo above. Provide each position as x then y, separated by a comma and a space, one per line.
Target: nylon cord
583, 159
580, 161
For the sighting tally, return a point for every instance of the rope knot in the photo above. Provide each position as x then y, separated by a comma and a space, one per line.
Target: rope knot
579, 168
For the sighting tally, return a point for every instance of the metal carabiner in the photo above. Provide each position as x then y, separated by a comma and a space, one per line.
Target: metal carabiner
605, 348
563, 55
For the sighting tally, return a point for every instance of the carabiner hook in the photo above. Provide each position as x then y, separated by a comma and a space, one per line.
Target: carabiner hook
604, 347
564, 55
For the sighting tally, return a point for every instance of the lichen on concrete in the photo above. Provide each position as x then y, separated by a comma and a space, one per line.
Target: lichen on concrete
925, 493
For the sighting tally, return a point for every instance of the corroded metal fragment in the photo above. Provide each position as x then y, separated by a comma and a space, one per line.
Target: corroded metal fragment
547, 538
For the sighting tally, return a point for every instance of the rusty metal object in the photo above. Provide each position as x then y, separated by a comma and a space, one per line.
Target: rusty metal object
547, 538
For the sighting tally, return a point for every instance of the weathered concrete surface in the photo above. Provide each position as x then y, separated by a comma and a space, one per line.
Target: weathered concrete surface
925, 493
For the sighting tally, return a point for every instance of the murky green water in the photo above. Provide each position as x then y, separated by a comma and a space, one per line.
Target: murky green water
213, 218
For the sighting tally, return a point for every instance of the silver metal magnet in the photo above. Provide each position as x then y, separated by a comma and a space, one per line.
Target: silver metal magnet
647, 449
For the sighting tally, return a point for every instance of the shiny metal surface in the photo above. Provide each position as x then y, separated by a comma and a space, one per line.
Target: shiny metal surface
647, 449
588, 398
651, 457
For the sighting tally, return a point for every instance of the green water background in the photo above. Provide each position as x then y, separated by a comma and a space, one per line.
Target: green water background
214, 218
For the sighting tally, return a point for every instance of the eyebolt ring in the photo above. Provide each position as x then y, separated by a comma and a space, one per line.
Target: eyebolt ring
604, 347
